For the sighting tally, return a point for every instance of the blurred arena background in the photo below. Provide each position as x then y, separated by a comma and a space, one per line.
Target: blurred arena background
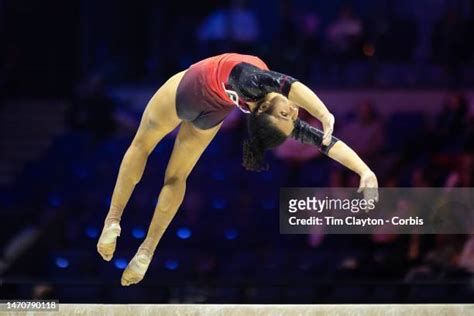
76, 75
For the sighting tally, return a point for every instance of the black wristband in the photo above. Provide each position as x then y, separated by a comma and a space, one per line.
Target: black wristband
308, 134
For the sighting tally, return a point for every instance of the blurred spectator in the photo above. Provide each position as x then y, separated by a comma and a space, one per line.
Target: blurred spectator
469, 144
391, 182
463, 175
451, 123
308, 24
235, 28
344, 34
365, 134
446, 251
301, 30
466, 261
442, 260
449, 42
336, 180
419, 178
284, 45
390, 255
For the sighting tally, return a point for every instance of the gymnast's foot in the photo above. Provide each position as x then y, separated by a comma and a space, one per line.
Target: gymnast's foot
136, 268
108, 240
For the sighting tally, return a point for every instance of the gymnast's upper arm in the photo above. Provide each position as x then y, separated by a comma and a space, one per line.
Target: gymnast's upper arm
308, 100
302, 95
254, 83
272, 81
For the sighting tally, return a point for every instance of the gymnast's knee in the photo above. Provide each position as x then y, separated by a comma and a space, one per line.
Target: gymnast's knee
175, 181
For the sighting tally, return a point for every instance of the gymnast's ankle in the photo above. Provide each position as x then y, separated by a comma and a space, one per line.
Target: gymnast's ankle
143, 250
110, 221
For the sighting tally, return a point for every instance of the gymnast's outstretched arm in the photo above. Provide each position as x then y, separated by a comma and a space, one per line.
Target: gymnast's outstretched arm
308, 100
341, 153
348, 158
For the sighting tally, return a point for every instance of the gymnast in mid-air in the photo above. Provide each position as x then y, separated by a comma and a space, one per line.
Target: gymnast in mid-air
199, 99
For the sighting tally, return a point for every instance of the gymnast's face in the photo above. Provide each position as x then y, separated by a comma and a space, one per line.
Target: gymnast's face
282, 112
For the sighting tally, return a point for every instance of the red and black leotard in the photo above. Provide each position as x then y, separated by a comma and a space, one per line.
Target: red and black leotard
211, 88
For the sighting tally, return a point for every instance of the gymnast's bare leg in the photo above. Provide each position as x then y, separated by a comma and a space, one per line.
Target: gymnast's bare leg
189, 145
159, 119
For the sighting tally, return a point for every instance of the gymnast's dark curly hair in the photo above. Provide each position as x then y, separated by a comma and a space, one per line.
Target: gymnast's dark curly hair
263, 135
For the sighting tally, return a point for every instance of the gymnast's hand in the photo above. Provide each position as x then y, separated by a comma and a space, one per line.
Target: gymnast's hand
369, 185
328, 127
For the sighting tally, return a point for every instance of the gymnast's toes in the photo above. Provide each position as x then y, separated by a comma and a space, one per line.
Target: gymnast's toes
130, 277
108, 240
106, 250
135, 270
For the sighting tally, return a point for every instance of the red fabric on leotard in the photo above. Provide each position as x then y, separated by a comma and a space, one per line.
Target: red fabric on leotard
217, 70
211, 88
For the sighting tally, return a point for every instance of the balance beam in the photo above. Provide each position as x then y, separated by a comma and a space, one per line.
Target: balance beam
248, 310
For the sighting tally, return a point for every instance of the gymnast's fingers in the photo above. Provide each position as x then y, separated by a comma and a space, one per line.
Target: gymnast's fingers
371, 191
328, 127
327, 137
376, 198
361, 186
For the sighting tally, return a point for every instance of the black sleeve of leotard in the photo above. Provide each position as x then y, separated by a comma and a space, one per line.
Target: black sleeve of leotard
253, 83
308, 134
